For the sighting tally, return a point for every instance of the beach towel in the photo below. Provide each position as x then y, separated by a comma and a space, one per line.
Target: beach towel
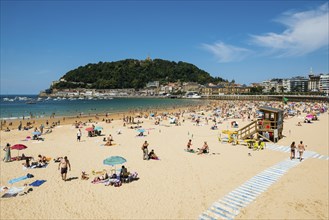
113, 144
115, 182
17, 179
189, 151
99, 181
6, 195
98, 172
13, 191
35, 166
37, 142
37, 183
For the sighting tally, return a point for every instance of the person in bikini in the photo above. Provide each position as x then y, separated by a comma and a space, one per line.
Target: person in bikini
64, 164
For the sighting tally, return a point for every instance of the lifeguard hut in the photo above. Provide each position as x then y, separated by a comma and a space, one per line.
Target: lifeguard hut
269, 126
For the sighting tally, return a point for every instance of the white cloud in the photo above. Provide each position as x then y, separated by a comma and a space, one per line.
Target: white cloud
225, 53
305, 32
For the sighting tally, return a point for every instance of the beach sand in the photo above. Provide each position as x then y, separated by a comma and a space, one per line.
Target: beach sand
180, 185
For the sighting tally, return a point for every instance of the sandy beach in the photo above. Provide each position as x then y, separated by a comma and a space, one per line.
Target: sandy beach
181, 185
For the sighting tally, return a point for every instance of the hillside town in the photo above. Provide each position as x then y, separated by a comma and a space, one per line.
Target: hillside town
311, 85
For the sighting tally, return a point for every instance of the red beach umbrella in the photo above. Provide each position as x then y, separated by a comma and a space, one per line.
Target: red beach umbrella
89, 129
18, 147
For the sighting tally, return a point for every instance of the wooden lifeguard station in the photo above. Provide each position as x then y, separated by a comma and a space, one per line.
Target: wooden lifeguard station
269, 126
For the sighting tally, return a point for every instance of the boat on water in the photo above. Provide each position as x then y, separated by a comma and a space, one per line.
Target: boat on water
193, 95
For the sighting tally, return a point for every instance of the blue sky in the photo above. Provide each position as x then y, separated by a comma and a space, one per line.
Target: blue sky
248, 41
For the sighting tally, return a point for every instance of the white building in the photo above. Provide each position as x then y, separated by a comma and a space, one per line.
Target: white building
324, 83
273, 85
313, 83
286, 85
154, 84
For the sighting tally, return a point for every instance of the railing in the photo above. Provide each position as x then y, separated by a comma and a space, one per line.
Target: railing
306, 98
247, 130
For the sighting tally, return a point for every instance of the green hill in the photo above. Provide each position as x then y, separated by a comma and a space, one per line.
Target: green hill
132, 73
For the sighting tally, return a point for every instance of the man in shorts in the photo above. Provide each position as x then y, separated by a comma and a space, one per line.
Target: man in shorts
301, 149
64, 164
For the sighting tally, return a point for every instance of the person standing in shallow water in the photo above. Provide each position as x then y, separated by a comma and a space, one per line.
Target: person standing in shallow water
63, 165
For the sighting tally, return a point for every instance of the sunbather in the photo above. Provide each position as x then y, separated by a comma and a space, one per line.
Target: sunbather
124, 172
204, 149
58, 159
152, 155
101, 177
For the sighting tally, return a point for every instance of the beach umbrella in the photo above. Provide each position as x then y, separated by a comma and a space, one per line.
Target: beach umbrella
18, 147
98, 128
89, 129
114, 160
141, 130
36, 133
309, 116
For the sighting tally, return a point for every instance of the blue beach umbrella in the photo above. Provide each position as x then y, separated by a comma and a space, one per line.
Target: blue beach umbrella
141, 130
36, 133
98, 128
114, 160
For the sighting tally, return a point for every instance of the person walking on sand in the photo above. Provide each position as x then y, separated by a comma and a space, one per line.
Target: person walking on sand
301, 149
145, 151
79, 135
292, 150
64, 164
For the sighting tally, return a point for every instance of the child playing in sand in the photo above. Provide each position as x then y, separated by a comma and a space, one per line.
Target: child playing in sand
84, 176
189, 144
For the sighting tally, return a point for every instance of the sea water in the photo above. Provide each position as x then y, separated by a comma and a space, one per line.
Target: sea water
15, 106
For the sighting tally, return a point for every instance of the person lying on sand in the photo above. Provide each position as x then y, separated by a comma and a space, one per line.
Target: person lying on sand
101, 177
58, 159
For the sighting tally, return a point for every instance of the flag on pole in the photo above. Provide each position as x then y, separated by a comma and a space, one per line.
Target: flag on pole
285, 100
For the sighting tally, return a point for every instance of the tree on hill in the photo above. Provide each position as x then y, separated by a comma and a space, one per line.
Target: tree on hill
132, 73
